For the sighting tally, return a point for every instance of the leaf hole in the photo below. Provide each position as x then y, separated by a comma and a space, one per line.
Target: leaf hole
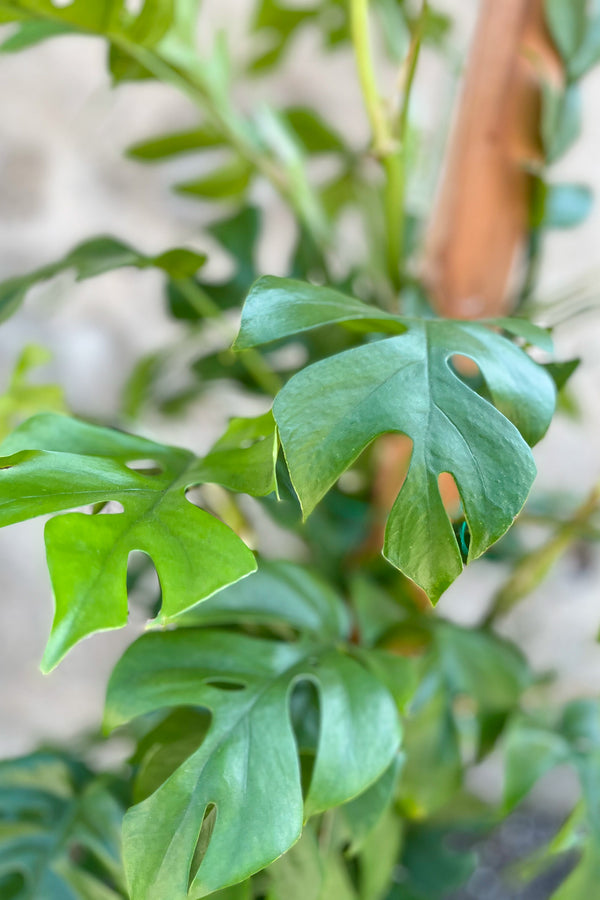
305, 713
62, 4
145, 466
134, 6
208, 825
223, 684
108, 508
450, 495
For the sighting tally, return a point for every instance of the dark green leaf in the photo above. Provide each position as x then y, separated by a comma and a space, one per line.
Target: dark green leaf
280, 592
54, 813
331, 411
94, 257
54, 463
247, 766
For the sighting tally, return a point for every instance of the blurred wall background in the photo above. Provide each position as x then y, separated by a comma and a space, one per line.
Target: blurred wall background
63, 178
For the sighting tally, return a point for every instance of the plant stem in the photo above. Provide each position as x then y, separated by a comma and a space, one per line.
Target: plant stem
409, 71
533, 567
252, 360
389, 141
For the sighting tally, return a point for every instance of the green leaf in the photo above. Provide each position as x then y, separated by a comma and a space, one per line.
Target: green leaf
24, 398
54, 463
567, 205
561, 119
277, 308
278, 593
109, 18
169, 145
331, 411
575, 29
95, 257
238, 236
28, 34
229, 181
583, 881
247, 767
315, 135
244, 458
53, 814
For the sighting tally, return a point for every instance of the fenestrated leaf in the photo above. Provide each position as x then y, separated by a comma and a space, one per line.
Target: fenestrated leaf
331, 411
279, 592
93, 258
54, 463
52, 809
247, 766
244, 458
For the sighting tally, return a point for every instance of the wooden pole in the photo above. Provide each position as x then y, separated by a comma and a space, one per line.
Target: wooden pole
480, 222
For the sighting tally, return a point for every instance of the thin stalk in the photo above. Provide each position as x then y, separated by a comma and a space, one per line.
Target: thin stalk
534, 567
253, 362
409, 72
389, 138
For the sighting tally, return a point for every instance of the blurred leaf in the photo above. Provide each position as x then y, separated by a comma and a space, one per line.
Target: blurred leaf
95, 257
229, 181
60, 831
567, 205
315, 135
575, 29
561, 119
24, 398
278, 593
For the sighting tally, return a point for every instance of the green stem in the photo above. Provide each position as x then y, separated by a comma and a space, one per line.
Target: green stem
534, 567
252, 360
410, 69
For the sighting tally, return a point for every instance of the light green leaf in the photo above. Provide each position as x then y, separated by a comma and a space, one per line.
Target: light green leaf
230, 180
279, 592
244, 458
247, 767
95, 257
54, 463
315, 135
52, 809
575, 29
169, 145
331, 411
583, 882
25, 398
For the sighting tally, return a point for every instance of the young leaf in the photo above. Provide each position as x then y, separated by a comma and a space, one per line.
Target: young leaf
54, 813
247, 766
229, 181
244, 459
54, 463
94, 257
331, 411
25, 398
